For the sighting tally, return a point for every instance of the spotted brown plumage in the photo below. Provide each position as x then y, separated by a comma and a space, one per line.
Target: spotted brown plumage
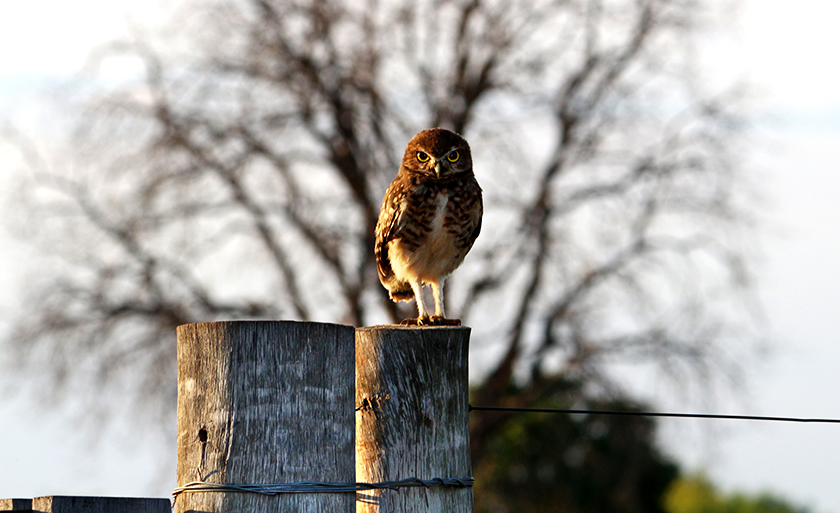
430, 218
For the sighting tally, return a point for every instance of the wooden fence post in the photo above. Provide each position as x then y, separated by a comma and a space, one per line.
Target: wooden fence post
265, 402
19, 505
412, 421
82, 504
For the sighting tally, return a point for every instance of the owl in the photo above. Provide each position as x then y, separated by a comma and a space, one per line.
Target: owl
429, 220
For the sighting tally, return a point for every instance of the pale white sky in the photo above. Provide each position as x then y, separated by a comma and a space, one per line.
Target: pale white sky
787, 50
791, 49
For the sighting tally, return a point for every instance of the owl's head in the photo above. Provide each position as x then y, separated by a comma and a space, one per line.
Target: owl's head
438, 153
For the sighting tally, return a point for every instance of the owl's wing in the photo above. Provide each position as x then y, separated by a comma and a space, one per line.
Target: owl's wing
471, 210
388, 227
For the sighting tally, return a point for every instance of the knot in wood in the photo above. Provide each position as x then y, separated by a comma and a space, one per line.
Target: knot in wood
373, 403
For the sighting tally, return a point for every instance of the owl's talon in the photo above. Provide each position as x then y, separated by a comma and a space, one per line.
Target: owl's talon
431, 321
442, 321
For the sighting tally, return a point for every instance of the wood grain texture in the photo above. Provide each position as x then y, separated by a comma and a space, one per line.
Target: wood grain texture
265, 402
412, 389
74, 504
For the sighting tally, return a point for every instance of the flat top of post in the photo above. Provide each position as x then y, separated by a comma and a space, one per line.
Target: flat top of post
411, 327
266, 321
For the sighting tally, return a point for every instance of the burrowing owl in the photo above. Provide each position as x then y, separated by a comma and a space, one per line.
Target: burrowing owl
430, 217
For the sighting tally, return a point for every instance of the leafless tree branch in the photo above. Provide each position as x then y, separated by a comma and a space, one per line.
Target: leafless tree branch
242, 178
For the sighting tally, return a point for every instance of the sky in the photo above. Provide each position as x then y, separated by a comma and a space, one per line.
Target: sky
786, 51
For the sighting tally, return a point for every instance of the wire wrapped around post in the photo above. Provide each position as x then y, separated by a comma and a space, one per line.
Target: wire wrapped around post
315, 487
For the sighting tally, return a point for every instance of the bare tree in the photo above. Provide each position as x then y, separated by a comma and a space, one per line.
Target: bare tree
241, 177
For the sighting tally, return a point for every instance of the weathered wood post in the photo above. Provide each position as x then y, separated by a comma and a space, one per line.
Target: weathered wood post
82, 504
19, 505
265, 402
412, 417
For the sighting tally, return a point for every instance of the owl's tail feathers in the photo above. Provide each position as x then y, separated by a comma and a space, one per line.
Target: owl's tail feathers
400, 291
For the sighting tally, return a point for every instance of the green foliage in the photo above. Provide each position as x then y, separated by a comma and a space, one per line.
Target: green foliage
573, 463
546, 463
695, 494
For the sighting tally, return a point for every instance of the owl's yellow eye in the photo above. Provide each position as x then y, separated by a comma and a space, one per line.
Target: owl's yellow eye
422, 157
453, 156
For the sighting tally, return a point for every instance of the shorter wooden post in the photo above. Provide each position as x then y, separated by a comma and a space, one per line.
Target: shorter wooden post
412, 418
19, 505
73, 504
265, 402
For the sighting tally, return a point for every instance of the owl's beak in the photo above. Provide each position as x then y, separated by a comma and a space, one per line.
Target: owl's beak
438, 169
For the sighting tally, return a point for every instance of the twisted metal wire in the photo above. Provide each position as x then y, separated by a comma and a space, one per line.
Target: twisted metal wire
318, 487
717, 416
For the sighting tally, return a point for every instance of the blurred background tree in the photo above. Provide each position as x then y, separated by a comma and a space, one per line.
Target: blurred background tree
695, 494
240, 176
562, 463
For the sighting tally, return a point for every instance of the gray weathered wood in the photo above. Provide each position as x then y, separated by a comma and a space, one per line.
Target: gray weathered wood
69, 504
412, 390
19, 505
265, 402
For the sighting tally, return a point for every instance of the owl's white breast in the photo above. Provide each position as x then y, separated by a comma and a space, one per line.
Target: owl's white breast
435, 258
440, 214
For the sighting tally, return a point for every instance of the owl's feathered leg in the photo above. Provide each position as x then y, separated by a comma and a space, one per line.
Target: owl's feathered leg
423, 318
417, 287
437, 290
439, 318
422, 315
